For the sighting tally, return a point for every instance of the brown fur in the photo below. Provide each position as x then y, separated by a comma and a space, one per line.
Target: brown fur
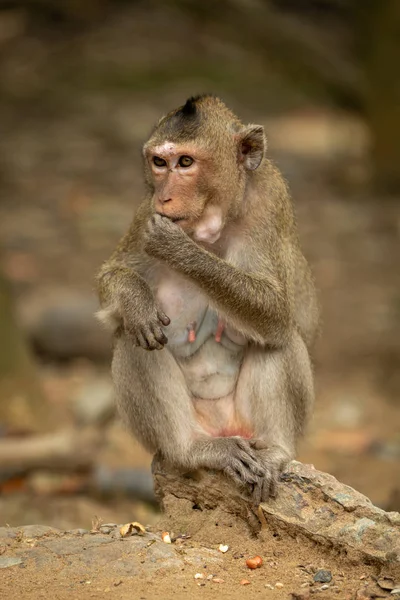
252, 275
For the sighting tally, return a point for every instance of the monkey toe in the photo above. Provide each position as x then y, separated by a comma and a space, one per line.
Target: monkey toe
240, 474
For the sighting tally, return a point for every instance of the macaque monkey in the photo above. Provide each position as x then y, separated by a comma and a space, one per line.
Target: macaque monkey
212, 303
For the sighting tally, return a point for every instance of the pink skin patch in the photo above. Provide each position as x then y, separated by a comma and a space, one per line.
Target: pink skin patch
192, 332
236, 431
219, 332
209, 227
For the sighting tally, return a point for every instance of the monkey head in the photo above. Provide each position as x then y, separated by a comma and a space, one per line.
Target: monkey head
197, 163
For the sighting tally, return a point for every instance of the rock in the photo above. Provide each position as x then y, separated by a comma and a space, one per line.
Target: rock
137, 483
37, 531
386, 583
78, 531
93, 404
7, 532
323, 576
61, 323
309, 503
9, 561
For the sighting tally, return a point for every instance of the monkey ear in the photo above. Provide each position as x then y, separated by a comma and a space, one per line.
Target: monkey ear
252, 146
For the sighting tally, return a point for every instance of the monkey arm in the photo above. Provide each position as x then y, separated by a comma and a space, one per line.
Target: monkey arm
256, 304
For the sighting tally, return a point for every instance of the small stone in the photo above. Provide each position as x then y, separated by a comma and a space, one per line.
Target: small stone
217, 580
386, 583
395, 591
279, 585
244, 582
324, 587
223, 548
300, 595
9, 562
37, 531
94, 402
323, 576
269, 586
199, 576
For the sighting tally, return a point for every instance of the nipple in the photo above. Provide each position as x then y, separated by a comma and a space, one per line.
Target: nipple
220, 329
192, 332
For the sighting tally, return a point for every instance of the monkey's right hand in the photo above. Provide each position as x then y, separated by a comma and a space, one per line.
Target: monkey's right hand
142, 322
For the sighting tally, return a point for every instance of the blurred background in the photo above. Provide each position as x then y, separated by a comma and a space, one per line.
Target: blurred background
81, 84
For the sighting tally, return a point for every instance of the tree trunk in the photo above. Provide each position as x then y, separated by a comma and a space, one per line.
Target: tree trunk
22, 402
381, 37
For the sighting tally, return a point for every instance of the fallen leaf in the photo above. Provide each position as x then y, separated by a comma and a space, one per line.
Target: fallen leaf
129, 527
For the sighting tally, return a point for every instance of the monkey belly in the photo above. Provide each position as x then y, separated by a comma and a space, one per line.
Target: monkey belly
212, 371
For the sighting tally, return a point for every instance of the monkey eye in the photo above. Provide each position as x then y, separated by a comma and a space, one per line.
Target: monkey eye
159, 162
185, 161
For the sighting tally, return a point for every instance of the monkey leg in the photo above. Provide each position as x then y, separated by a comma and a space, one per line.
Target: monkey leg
153, 399
275, 393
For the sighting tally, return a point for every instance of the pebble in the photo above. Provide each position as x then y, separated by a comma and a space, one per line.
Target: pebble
279, 585
323, 576
324, 587
9, 562
269, 586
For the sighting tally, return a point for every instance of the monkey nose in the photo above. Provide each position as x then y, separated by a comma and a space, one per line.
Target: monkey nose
165, 200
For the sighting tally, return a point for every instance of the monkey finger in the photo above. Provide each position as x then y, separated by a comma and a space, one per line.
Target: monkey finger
135, 340
265, 490
159, 335
142, 340
165, 320
273, 484
258, 444
152, 343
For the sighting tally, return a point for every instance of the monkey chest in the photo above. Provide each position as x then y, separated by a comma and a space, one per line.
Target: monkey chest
193, 320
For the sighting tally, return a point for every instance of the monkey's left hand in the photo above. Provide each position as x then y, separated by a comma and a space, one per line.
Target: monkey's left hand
163, 237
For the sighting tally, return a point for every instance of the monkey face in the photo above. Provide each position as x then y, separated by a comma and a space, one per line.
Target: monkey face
181, 191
